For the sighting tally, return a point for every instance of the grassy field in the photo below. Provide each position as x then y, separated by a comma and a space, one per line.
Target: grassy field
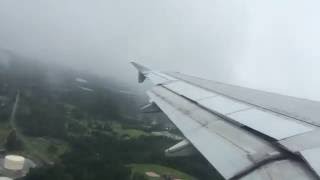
131, 133
40, 148
89, 126
161, 170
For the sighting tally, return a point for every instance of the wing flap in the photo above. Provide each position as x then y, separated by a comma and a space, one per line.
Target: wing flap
302, 142
311, 156
281, 170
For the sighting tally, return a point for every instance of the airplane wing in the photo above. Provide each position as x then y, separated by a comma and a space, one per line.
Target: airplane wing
244, 133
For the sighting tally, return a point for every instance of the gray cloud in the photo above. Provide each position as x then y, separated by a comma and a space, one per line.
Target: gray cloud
270, 45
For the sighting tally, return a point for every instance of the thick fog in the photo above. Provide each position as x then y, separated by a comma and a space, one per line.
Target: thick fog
269, 45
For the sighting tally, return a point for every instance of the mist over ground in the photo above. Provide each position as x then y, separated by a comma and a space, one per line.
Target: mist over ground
268, 45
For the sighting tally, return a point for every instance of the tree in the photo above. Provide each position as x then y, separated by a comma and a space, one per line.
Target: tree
52, 149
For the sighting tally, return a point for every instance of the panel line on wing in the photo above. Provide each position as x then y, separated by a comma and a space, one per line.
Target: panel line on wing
189, 91
271, 125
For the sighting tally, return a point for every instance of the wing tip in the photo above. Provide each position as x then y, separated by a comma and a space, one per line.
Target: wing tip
142, 70
140, 67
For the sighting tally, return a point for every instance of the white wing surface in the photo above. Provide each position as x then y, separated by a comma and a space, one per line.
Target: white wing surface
244, 133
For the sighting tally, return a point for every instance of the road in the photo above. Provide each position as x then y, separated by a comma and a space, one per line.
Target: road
13, 114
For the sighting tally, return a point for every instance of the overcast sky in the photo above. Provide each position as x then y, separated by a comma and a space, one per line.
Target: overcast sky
270, 45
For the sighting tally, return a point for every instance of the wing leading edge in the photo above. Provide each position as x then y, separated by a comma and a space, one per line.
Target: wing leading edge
242, 138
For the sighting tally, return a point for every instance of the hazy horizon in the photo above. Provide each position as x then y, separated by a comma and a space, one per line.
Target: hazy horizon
272, 46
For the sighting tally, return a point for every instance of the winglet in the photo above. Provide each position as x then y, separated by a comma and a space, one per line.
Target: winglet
142, 71
140, 68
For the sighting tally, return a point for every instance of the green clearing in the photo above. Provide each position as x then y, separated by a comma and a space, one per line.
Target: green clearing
131, 133
86, 127
161, 170
40, 148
